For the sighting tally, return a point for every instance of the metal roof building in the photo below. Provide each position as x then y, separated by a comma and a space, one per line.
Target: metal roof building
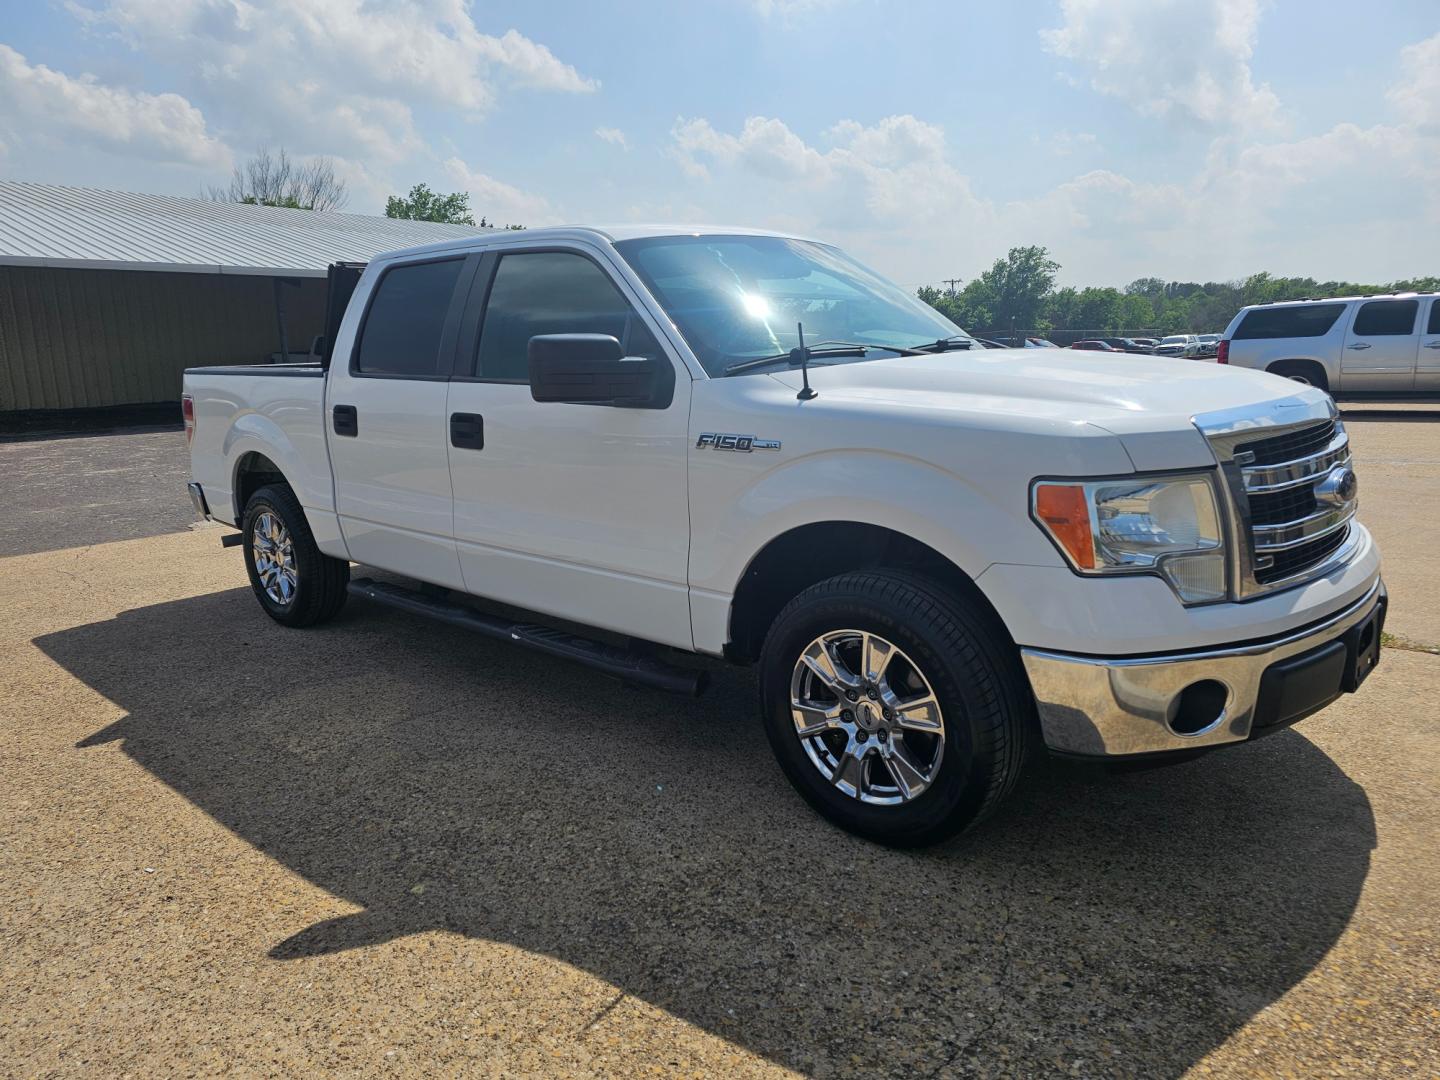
107, 296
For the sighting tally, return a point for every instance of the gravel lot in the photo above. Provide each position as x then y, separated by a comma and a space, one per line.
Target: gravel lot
388, 846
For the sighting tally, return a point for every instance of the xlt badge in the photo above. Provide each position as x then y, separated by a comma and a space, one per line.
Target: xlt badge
740, 444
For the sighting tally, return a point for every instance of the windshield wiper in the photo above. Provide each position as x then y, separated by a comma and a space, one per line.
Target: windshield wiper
824, 348
945, 344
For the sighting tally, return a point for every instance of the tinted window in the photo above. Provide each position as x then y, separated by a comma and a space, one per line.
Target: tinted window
1386, 318
402, 329
552, 292
1308, 320
1434, 327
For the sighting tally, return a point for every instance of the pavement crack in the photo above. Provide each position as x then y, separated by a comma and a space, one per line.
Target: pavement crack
1002, 982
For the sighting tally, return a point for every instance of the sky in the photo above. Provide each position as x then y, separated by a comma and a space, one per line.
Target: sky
1189, 140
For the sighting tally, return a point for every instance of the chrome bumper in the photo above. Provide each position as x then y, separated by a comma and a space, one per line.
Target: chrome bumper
1098, 707
197, 500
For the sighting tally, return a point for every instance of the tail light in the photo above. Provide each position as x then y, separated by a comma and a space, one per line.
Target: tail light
187, 410
1222, 352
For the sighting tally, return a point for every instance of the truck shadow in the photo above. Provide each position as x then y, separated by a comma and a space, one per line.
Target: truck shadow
1132, 921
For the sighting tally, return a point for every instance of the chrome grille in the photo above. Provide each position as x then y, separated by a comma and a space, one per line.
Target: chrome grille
1292, 523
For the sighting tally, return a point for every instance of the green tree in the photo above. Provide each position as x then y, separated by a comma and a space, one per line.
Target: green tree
1017, 286
1137, 312
422, 204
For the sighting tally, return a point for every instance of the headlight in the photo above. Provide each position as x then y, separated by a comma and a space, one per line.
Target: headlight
1169, 527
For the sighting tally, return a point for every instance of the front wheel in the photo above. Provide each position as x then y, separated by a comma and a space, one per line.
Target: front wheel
296, 583
897, 709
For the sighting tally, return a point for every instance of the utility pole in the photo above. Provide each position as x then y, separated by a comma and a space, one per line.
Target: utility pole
952, 282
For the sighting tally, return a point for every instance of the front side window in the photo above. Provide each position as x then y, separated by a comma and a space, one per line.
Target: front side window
1308, 320
738, 298
1434, 327
552, 292
406, 319
1386, 318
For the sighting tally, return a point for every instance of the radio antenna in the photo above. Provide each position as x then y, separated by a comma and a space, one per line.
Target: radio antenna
800, 357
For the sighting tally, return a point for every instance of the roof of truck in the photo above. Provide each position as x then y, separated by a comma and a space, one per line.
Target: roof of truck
52, 225
590, 232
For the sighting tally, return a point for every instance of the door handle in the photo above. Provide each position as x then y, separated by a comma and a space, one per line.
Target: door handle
346, 420
1360, 345
1433, 345
467, 431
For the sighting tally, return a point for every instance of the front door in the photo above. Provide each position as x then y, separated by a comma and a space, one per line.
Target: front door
1427, 367
1380, 347
577, 511
386, 421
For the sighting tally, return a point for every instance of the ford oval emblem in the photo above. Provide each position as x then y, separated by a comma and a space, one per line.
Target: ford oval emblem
1339, 487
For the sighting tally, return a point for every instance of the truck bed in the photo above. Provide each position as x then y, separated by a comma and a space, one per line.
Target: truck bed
275, 410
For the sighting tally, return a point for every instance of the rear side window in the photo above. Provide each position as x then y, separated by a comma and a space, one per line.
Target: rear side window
1386, 318
552, 292
1434, 327
402, 330
1310, 320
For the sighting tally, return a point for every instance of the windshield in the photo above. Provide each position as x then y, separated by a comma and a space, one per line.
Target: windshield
1179, 339
738, 298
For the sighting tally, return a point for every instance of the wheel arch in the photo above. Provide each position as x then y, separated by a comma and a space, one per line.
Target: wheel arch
1316, 372
253, 470
807, 554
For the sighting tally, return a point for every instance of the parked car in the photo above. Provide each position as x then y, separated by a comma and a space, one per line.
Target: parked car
1355, 344
1095, 345
1206, 344
1039, 343
1175, 345
937, 561
1146, 343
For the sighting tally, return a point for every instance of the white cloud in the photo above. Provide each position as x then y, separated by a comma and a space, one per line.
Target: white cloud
764, 146
1321, 205
790, 9
1417, 95
500, 203
614, 136
42, 104
1187, 61
334, 76
1065, 143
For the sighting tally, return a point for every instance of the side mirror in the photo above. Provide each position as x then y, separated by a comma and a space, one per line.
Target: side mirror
592, 369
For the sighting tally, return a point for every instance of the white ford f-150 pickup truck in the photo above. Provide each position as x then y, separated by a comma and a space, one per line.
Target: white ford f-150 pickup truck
747, 445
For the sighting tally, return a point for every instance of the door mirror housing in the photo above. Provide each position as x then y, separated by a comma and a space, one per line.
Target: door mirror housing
592, 369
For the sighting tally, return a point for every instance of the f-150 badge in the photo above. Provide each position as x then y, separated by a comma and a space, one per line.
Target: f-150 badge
740, 444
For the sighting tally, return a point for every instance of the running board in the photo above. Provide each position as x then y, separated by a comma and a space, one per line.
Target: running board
631, 667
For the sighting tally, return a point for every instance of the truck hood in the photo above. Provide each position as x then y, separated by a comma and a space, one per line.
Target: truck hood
1148, 402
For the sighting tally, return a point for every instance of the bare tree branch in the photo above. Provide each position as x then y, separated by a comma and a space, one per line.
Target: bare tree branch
274, 179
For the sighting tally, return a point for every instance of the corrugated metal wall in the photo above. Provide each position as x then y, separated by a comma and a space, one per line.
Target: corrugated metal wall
76, 339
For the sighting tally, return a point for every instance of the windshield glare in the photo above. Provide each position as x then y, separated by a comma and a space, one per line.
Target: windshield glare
737, 298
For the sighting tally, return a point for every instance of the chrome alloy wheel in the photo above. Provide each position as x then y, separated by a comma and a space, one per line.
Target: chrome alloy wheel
867, 717
274, 554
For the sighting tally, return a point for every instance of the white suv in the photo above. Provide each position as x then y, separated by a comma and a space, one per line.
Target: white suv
1366, 344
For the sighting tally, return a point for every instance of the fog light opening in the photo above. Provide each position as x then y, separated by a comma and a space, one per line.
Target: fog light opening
1199, 707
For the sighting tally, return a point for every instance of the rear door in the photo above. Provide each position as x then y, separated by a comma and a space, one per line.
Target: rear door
387, 421
1380, 346
577, 511
1427, 366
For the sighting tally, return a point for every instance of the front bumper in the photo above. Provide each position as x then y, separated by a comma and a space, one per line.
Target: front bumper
1111, 707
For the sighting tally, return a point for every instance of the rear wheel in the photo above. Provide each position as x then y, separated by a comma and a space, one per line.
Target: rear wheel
295, 582
896, 709
1305, 372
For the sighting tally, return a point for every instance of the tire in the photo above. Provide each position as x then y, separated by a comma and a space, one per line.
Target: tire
309, 587
954, 650
1301, 371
